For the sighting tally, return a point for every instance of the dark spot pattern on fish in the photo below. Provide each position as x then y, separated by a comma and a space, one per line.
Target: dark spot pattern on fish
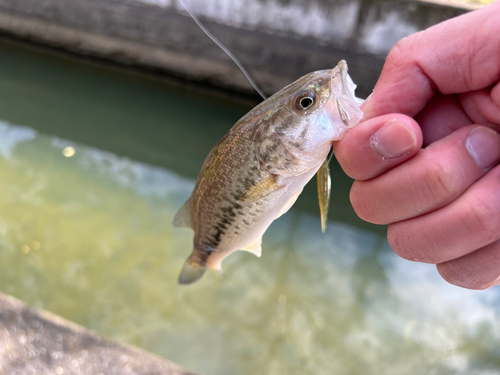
265, 158
229, 211
303, 133
270, 149
217, 237
227, 221
208, 243
249, 183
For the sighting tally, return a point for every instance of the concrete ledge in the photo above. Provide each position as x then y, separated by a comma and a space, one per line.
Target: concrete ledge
276, 40
38, 342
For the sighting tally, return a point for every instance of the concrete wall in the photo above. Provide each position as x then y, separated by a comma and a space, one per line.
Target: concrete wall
276, 40
37, 342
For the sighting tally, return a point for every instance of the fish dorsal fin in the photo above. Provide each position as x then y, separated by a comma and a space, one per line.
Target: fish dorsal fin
182, 217
254, 247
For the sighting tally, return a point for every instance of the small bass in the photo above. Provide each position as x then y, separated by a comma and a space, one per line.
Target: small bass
258, 169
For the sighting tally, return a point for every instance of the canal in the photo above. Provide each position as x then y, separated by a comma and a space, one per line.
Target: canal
94, 164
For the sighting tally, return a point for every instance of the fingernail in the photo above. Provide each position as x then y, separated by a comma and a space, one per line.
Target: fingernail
394, 139
483, 145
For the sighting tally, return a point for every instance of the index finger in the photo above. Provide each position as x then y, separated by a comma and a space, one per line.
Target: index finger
457, 56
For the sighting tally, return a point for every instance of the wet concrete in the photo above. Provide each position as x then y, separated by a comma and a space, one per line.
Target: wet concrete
276, 40
40, 343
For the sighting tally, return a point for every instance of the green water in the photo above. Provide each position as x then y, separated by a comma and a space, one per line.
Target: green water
89, 237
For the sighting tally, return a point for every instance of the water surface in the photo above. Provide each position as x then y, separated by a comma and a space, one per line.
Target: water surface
88, 236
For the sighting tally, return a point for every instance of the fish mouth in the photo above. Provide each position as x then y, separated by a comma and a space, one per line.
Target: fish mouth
347, 112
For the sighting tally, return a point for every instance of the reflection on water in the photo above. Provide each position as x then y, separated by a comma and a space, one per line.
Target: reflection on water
86, 234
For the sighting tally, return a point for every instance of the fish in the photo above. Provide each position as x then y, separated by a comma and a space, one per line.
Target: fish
256, 172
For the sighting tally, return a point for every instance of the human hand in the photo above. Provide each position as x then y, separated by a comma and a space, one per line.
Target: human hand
439, 88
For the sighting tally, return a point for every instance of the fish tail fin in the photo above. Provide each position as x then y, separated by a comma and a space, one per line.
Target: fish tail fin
192, 271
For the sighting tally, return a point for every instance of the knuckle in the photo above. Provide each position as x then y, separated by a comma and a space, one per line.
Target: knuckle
399, 51
443, 179
480, 219
404, 49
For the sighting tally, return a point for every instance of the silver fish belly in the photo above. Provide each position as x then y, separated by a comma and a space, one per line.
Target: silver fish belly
258, 169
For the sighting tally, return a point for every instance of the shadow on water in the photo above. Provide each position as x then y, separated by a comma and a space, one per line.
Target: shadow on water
88, 236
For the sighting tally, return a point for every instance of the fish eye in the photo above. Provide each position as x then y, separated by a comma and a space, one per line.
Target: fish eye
305, 100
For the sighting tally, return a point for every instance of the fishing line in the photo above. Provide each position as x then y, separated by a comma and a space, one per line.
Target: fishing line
216, 41
330, 155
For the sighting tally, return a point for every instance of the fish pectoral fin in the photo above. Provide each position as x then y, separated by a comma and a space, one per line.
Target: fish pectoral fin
288, 204
182, 217
191, 271
261, 189
254, 247
324, 187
